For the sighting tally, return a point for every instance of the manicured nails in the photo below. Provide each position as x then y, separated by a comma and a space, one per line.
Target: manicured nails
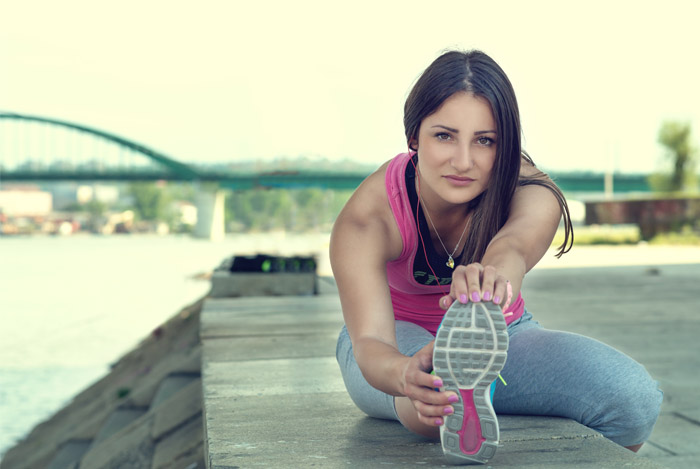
475, 297
453, 398
437, 383
487, 296
497, 300
447, 410
462, 298
438, 421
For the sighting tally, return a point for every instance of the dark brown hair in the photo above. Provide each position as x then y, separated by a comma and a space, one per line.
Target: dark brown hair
477, 73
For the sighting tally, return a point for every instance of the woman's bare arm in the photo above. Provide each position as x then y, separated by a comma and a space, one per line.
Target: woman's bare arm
365, 237
516, 248
362, 243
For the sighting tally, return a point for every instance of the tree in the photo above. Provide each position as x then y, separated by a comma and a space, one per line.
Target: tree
150, 201
675, 138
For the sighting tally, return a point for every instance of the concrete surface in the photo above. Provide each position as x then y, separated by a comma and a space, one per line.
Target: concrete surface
273, 394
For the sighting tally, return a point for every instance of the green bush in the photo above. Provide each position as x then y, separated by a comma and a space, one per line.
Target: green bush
685, 237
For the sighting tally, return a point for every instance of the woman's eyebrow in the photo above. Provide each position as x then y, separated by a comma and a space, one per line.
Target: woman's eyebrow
479, 132
446, 128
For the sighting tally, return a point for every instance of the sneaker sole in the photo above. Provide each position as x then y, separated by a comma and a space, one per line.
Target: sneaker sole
470, 350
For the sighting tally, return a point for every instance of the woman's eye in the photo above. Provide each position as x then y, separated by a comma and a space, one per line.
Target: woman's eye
484, 141
442, 136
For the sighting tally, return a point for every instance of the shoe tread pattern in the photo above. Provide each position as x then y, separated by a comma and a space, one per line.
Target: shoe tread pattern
470, 351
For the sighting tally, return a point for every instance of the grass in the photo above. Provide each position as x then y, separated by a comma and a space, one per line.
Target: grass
618, 235
601, 235
685, 237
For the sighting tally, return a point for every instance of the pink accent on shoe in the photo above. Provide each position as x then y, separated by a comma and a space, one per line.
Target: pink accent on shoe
470, 437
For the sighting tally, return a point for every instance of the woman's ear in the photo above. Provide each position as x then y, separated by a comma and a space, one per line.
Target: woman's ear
413, 144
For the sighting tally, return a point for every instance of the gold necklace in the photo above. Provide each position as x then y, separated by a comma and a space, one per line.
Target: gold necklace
450, 261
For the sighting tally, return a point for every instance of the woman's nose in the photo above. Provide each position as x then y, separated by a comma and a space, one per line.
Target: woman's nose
463, 160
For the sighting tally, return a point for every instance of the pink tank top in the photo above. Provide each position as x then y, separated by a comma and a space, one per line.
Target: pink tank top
412, 301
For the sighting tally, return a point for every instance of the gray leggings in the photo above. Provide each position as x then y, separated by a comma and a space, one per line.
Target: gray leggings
548, 373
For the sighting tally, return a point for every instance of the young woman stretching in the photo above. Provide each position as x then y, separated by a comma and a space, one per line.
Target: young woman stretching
454, 225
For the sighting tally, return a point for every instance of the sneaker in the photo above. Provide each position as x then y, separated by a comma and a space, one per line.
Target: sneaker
470, 351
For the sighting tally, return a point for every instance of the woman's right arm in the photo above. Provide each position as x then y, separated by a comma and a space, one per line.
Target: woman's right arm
364, 239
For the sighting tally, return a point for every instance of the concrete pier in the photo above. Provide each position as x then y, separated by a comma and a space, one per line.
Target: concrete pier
252, 381
210, 215
273, 395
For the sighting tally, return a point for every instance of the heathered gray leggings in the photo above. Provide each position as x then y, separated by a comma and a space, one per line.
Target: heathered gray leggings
548, 373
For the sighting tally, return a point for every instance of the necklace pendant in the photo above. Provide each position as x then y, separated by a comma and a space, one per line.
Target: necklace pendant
450, 263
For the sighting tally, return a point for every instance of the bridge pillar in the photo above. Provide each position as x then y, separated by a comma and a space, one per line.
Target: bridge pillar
210, 215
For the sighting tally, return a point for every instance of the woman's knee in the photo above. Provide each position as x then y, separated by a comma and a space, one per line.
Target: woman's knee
631, 412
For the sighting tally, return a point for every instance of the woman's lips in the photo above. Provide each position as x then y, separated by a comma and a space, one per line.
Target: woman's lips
459, 180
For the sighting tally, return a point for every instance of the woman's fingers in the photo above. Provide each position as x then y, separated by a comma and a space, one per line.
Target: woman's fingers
432, 414
466, 283
473, 273
488, 282
420, 387
499, 292
445, 302
475, 282
509, 295
432, 405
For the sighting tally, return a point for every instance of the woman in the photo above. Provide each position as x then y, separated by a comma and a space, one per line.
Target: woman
466, 194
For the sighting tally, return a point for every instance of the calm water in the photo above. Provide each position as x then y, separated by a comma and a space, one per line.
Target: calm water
71, 306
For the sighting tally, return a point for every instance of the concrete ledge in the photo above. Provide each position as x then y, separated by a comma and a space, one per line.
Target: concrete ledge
273, 396
228, 284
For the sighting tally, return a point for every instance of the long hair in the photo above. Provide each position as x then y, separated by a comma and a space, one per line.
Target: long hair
477, 73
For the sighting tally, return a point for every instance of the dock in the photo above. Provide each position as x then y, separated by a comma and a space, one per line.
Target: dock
253, 382
273, 394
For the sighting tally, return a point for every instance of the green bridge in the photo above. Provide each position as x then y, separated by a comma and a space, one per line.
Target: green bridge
33, 156
165, 168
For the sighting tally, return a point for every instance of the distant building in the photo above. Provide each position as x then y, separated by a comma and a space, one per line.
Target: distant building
186, 212
25, 202
67, 194
105, 194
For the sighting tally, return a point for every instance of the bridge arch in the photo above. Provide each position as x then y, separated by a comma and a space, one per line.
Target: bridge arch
181, 169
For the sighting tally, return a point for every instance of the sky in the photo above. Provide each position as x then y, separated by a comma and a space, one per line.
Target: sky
227, 81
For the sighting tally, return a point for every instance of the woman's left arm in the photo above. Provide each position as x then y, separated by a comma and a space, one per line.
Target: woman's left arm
516, 248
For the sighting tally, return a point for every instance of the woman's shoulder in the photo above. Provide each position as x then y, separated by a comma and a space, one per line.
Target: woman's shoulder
375, 185
368, 210
370, 197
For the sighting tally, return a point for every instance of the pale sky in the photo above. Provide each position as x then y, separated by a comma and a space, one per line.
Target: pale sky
216, 81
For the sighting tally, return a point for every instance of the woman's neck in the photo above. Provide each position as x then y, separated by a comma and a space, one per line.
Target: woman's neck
447, 222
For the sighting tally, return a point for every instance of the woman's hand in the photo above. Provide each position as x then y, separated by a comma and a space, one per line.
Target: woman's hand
419, 386
476, 282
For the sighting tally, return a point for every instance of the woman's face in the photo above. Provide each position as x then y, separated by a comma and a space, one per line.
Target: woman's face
456, 150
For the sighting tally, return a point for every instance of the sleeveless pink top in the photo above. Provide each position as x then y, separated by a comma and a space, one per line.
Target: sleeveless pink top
412, 301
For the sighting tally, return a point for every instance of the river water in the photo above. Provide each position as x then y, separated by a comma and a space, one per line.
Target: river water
70, 306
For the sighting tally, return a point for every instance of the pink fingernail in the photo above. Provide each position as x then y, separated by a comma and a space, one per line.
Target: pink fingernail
437, 383
497, 300
462, 298
487, 295
447, 410
453, 398
475, 297
438, 421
